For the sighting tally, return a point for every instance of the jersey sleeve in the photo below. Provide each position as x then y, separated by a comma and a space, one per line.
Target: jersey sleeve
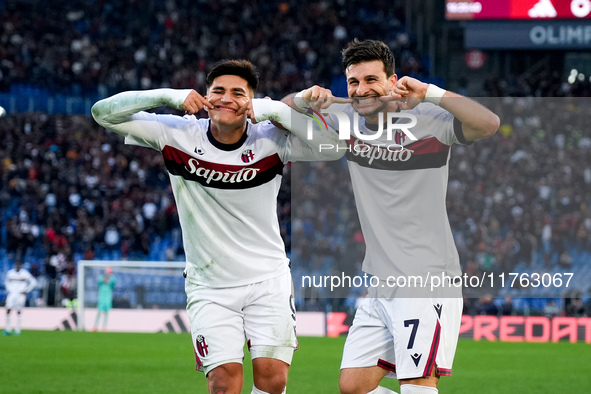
153, 130
124, 113
446, 127
308, 138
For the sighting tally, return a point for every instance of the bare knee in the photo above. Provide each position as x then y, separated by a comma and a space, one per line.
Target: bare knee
350, 386
347, 386
270, 375
360, 380
226, 378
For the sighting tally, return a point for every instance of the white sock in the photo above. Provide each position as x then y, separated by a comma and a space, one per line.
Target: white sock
18, 324
416, 389
382, 390
257, 391
7, 322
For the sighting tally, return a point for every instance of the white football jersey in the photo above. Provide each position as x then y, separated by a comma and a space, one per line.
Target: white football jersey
400, 188
226, 196
20, 281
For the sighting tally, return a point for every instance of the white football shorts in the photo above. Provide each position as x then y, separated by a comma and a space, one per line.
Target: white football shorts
16, 301
405, 336
222, 319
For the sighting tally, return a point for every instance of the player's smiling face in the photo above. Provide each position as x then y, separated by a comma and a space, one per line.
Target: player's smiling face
227, 94
366, 82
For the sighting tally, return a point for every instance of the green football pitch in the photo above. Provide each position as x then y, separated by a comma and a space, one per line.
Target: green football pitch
83, 362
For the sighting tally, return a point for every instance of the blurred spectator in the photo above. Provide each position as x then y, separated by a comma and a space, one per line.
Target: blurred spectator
486, 306
565, 260
551, 309
574, 307
68, 282
470, 306
507, 308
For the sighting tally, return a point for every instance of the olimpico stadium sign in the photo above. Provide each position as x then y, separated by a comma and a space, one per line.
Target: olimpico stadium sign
528, 35
561, 35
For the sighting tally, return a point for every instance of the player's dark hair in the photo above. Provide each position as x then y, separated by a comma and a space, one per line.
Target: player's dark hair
366, 51
241, 68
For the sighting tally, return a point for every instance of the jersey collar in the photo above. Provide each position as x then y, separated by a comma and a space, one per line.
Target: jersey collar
226, 147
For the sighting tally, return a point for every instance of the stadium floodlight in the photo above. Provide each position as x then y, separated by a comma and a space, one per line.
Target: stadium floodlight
140, 284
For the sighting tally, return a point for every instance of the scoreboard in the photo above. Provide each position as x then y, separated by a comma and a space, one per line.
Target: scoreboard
517, 9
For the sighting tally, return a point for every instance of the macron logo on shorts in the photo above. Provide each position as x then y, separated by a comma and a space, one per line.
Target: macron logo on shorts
438, 309
416, 358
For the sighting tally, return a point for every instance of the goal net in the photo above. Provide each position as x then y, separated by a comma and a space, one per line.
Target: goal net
138, 285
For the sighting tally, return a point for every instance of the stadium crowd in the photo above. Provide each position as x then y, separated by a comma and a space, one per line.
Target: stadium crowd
104, 47
543, 83
522, 197
64, 196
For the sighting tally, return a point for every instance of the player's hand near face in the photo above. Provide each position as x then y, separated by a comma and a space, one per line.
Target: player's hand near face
411, 90
195, 102
246, 108
319, 98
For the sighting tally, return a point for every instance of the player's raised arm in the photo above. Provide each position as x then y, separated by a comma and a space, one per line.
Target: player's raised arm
313, 141
117, 112
477, 121
315, 97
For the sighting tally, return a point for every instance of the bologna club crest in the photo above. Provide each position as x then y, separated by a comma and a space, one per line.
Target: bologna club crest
247, 156
202, 346
399, 138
